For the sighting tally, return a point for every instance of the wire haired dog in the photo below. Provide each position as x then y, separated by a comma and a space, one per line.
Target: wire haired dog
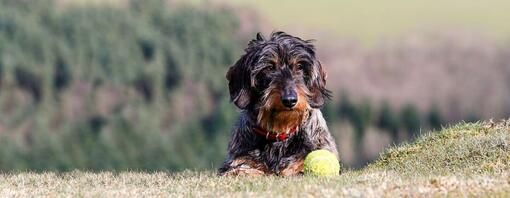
280, 86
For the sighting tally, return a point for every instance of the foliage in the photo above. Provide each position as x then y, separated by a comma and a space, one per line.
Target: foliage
110, 88
434, 118
389, 121
410, 119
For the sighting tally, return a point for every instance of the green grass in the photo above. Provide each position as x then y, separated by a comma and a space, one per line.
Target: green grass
464, 149
463, 160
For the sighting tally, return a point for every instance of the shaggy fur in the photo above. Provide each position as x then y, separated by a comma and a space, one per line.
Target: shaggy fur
269, 70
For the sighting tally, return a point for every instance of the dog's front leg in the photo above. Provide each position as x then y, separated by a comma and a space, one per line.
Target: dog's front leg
292, 166
244, 165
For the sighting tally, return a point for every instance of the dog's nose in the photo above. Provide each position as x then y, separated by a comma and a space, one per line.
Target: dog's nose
289, 100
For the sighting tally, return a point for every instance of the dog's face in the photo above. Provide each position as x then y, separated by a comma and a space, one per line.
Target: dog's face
279, 78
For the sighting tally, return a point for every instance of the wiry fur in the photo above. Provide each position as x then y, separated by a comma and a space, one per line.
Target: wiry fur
256, 83
274, 116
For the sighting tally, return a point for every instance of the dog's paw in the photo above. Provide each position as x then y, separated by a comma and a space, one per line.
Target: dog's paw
292, 168
245, 166
244, 170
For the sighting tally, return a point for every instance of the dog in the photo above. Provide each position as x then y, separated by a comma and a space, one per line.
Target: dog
279, 85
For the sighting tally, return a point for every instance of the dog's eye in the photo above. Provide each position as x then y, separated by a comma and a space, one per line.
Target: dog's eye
270, 67
300, 66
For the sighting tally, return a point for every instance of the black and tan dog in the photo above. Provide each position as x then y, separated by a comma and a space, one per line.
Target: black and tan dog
280, 86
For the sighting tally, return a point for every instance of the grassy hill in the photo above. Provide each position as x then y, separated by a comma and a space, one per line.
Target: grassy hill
468, 159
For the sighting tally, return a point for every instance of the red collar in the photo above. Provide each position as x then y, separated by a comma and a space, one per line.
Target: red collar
269, 135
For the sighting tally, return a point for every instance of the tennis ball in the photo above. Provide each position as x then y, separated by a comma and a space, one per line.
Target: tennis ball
321, 163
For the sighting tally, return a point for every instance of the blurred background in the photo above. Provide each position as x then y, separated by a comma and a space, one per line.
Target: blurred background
140, 85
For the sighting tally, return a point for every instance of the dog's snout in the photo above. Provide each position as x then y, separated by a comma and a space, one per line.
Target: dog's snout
289, 99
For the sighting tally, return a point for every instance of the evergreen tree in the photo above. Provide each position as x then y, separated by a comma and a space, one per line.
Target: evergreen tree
346, 108
330, 112
410, 120
388, 121
434, 118
360, 117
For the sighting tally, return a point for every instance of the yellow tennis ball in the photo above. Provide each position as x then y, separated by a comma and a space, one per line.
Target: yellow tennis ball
321, 163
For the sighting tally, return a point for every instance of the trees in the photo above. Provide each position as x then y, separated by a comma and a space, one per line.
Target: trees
101, 87
388, 121
434, 118
410, 120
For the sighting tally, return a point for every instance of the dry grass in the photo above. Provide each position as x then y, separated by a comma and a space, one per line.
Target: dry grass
463, 160
205, 184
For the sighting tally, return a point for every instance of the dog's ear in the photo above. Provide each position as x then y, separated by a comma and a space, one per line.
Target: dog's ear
318, 91
238, 77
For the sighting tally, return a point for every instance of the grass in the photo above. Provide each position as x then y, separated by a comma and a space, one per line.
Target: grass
464, 149
469, 159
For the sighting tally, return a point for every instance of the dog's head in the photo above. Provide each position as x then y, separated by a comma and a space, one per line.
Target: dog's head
280, 78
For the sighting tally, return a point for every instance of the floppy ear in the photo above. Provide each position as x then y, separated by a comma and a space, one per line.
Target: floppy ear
318, 91
238, 77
